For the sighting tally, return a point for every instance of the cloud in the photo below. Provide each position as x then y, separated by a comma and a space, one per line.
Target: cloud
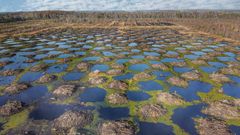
129, 5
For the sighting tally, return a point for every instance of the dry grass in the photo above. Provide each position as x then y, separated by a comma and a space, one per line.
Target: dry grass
224, 29
229, 28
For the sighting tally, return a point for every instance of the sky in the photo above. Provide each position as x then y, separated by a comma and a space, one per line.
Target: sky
127, 5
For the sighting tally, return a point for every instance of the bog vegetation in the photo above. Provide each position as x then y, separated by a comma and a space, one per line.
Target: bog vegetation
223, 23
120, 73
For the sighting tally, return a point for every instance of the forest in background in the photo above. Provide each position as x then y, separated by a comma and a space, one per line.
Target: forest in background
223, 23
71, 16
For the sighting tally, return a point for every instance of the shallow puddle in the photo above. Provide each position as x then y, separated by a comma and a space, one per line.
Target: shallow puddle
235, 129
110, 113
150, 85
183, 117
29, 96
46, 111
151, 53
162, 75
191, 56
73, 76
57, 68
108, 54
139, 67
209, 69
93, 95
63, 56
235, 79
147, 128
190, 93
30, 77
124, 77
232, 90
217, 64
137, 95
226, 59
6, 80
168, 60
91, 58
138, 57
181, 69
109, 50
100, 67
122, 61
132, 44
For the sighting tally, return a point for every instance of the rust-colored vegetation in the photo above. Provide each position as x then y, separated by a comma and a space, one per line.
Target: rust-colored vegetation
221, 23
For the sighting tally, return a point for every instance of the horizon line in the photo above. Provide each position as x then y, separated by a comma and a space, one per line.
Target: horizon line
238, 10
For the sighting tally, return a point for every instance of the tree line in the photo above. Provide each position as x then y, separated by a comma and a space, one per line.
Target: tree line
70, 16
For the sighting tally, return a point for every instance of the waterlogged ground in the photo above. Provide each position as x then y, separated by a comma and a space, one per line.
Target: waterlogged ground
106, 81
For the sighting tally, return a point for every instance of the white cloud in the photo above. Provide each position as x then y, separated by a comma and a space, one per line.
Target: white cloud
80, 5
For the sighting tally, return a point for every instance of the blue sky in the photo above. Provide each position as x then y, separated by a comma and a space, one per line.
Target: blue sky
129, 5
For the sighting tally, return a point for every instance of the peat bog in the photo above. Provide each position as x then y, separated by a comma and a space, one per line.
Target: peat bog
105, 80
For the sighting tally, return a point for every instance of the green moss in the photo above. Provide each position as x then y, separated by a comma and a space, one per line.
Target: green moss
178, 131
132, 84
235, 122
50, 87
166, 119
59, 75
212, 96
20, 75
165, 85
15, 121
93, 127
2, 90
72, 65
